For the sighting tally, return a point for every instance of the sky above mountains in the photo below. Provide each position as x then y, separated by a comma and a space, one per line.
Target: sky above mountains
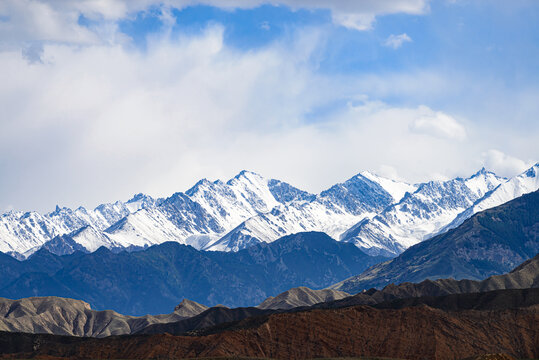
103, 99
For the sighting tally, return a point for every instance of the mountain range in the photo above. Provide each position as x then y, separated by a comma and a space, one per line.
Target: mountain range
403, 327
380, 216
502, 323
63, 316
154, 280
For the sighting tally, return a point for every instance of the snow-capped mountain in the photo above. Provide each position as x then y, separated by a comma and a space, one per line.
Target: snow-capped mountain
419, 215
26, 232
205, 212
332, 211
524, 183
379, 215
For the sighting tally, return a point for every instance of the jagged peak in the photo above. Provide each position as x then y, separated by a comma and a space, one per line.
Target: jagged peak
186, 303
139, 196
367, 173
102, 250
199, 184
532, 171
59, 209
245, 174
482, 172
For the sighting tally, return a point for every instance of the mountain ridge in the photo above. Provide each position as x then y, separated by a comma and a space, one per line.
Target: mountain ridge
490, 242
155, 279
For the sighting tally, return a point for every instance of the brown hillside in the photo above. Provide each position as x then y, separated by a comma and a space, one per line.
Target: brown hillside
417, 332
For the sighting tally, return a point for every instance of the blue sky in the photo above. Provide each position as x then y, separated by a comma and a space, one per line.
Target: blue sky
102, 100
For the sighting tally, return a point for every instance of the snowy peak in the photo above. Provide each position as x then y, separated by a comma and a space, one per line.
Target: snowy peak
357, 195
245, 176
85, 239
254, 189
333, 211
483, 181
420, 215
524, 183
140, 201
397, 189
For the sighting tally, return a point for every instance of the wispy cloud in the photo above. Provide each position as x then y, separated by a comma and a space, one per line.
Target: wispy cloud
437, 124
396, 41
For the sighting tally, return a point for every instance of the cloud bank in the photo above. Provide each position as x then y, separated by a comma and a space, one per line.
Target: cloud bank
87, 118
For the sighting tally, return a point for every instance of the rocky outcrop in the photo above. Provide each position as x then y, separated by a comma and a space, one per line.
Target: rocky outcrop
301, 296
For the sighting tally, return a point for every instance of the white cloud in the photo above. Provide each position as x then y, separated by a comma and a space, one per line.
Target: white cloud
437, 124
396, 41
102, 122
504, 164
94, 123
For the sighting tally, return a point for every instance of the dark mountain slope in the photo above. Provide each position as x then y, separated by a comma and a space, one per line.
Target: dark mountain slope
489, 243
523, 277
156, 279
416, 332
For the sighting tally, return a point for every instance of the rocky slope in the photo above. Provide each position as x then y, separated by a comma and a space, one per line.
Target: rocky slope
491, 242
525, 276
416, 332
62, 316
301, 296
